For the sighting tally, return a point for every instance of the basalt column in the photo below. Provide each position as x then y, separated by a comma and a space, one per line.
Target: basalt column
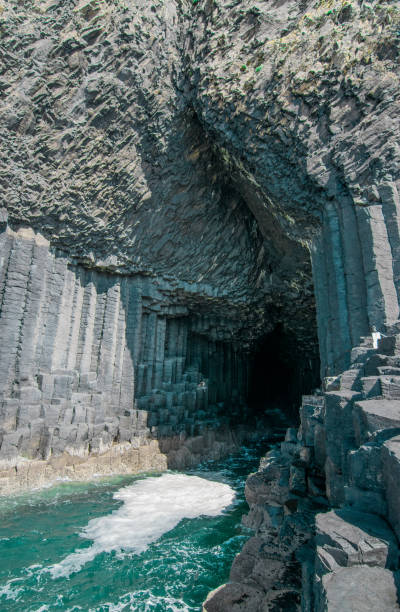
92, 361
356, 274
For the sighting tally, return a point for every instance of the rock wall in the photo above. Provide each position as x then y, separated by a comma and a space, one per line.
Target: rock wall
181, 177
239, 136
91, 360
301, 99
355, 273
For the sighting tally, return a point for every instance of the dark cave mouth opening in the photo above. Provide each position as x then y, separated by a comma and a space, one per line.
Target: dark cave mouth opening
279, 374
283, 364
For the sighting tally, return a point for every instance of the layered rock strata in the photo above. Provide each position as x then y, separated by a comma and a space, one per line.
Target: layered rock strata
325, 503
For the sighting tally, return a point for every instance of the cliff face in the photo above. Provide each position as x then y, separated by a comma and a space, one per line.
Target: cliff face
105, 155
325, 503
139, 283
179, 179
304, 98
133, 267
92, 360
236, 136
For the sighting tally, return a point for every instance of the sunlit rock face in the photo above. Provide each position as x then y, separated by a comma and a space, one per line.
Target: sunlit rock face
91, 360
182, 179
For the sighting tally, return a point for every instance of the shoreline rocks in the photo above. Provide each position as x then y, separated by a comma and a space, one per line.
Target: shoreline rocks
325, 506
140, 455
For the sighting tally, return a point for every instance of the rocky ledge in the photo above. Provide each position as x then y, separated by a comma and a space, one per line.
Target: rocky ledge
325, 503
140, 454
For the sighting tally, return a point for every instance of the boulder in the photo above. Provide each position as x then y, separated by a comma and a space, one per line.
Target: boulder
391, 476
375, 415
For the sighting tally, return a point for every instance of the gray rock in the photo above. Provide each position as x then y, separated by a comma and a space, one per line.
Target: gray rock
375, 415
358, 589
391, 476
355, 538
204, 172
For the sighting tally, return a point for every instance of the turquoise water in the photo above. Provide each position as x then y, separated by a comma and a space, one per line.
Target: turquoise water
121, 543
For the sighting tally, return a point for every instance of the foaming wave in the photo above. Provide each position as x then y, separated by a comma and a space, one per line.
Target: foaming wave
151, 507
9, 591
145, 601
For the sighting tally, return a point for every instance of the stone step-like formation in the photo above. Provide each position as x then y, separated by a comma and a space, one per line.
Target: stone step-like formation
325, 503
91, 359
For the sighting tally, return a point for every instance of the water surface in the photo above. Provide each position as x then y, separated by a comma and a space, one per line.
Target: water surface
147, 543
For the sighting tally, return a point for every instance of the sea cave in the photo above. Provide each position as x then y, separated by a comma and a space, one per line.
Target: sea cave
199, 305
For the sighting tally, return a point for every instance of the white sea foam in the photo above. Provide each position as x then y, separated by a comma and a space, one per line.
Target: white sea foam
151, 507
9, 591
144, 601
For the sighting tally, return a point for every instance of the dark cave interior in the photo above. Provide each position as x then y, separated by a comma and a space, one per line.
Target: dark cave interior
280, 375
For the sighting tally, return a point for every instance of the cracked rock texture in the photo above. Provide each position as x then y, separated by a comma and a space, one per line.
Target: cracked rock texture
218, 143
325, 503
178, 180
303, 98
91, 360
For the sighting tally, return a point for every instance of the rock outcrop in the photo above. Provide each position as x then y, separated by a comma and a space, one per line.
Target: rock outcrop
180, 179
325, 503
99, 365
302, 98
237, 136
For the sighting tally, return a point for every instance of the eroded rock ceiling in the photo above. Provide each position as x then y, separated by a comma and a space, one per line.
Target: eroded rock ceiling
201, 142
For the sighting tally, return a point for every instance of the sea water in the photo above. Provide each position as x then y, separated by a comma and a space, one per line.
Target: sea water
147, 543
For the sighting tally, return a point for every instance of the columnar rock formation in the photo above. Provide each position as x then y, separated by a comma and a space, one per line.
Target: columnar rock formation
303, 100
90, 360
345, 456
180, 178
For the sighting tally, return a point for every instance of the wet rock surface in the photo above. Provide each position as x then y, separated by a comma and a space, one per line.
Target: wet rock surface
179, 179
324, 505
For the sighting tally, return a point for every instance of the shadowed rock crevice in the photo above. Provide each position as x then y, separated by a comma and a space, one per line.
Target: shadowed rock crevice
280, 374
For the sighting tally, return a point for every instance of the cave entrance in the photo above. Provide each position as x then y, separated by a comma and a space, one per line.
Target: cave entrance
280, 373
